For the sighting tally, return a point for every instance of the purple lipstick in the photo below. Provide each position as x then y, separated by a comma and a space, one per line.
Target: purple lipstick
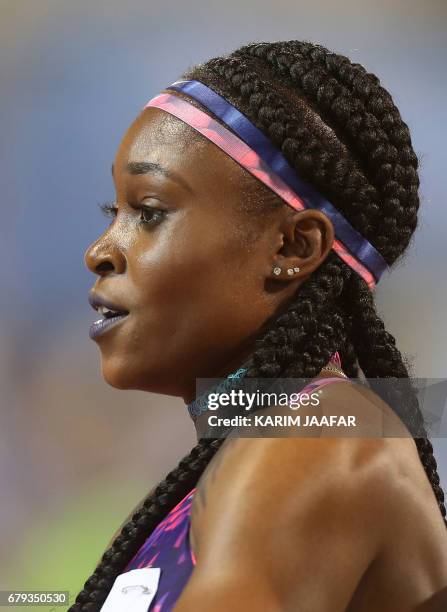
111, 315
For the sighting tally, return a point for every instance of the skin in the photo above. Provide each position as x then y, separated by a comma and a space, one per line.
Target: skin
339, 524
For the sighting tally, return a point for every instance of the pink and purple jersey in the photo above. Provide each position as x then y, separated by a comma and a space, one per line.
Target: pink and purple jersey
168, 548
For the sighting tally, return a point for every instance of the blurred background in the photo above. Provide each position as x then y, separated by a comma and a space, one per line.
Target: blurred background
76, 455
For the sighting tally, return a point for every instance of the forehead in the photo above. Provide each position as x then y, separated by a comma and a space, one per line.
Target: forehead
157, 127
159, 137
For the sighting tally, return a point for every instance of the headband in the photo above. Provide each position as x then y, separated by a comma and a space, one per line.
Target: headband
252, 150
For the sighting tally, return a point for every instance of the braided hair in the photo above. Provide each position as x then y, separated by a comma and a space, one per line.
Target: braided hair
339, 128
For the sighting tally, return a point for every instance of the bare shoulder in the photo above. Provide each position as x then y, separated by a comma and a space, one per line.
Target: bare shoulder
398, 462
264, 504
413, 563
286, 473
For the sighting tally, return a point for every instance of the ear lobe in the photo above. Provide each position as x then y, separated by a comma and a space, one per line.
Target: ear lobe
285, 273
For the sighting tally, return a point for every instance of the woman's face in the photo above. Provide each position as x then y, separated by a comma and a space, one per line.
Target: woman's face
177, 257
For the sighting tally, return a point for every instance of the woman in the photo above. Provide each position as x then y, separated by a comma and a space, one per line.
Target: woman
258, 202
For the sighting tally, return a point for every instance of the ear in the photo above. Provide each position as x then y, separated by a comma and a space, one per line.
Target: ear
307, 237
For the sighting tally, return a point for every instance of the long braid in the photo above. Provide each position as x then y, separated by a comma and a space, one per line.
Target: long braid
302, 339
374, 339
341, 131
348, 353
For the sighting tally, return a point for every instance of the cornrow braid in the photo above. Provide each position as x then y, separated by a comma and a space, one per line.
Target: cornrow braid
339, 128
307, 143
369, 122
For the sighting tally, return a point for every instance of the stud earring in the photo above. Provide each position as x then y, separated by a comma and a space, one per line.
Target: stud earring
290, 271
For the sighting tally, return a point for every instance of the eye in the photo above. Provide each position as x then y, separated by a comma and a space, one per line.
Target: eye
151, 216
148, 214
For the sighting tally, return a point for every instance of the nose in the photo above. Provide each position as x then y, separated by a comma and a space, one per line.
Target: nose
103, 257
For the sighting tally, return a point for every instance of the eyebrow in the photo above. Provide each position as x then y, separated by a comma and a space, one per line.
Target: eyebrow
144, 167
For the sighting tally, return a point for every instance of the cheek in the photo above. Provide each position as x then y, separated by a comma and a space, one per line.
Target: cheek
198, 292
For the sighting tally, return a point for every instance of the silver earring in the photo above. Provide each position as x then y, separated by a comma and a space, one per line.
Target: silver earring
290, 271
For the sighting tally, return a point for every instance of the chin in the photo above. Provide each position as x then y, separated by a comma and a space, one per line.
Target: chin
115, 379
119, 374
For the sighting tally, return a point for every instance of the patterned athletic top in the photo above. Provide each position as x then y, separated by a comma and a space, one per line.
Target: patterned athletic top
168, 546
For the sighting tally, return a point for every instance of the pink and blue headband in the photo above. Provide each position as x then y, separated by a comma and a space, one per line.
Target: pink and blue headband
251, 149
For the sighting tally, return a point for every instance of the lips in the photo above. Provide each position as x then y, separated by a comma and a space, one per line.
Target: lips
111, 314
105, 307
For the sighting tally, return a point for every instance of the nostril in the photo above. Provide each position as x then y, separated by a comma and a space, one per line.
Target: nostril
104, 266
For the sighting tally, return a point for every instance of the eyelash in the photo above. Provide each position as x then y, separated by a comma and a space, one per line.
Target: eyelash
110, 209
